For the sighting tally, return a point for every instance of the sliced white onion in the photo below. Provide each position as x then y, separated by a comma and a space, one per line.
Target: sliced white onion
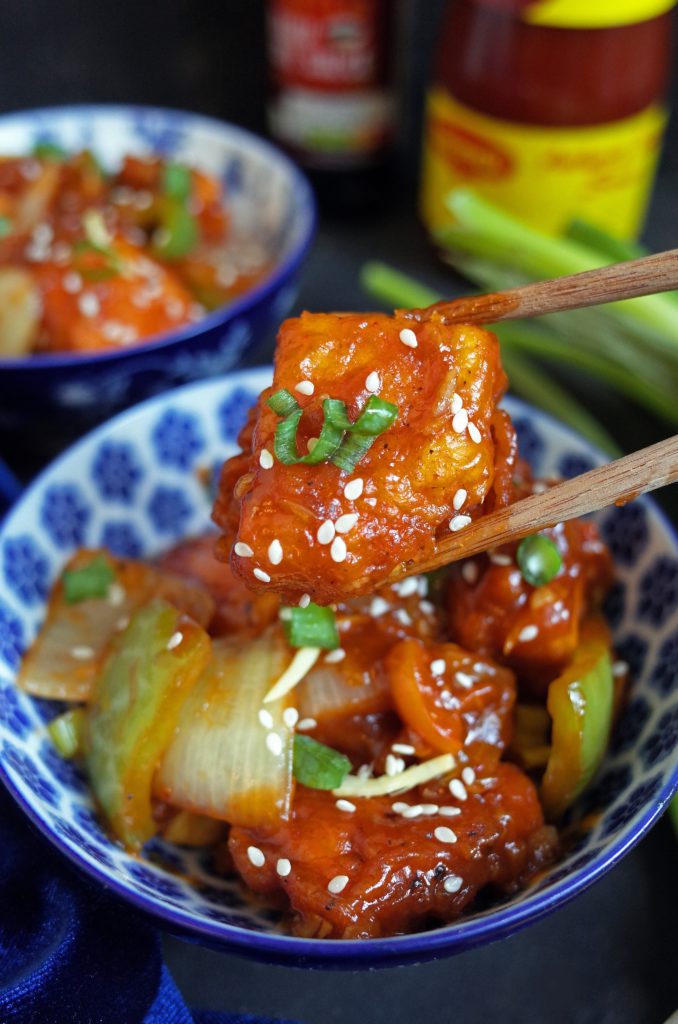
302, 662
326, 692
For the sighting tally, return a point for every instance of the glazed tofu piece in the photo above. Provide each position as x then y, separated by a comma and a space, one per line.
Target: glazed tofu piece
331, 532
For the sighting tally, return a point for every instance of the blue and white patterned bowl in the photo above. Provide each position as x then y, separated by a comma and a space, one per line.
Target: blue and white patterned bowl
268, 197
133, 484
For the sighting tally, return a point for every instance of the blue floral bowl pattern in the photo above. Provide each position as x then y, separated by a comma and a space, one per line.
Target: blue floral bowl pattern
134, 484
267, 196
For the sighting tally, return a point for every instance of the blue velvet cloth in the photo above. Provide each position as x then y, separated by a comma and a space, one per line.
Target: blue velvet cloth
71, 954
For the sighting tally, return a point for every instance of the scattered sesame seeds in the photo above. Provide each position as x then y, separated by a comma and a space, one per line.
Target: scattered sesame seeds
373, 382
429, 809
256, 856
71, 282
457, 403
403, 748
275, 552
326, 532
283, 867
619, 668
306, 724
243, 550
427, 607
88, 304
474, 433
453, 883
399, 807
82, 653
468, 775
261, 575
458, 789
311, 443
378, 606
450, 812
408, 337
528, 633
122, 623
438, 667
371, 501
115, 594
304, 600
346, 522
469, 571
174, 640
407, 587
403, 616
459, 522
497, 558
338, 551
265, 459
353, 489
464, 679
290, 717
345, 805
274, 743
305, 387
460, 421
413, 812
335, 656
394, 765
444, 834
266, 718
459, 499
337, 884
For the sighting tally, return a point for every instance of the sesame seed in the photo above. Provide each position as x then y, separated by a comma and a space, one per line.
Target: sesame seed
274, 743
334, 656
515, 579
338, 550
459, 522
88, 304
438, 667
345, 805
460, 421
373, 382
427, 607
459, 499
429, 809
408, 337
371, 501
285, 614
413, 812
497, 558
256, 856
122, 623
458, 789
457, 403
326, 532
71, 282
261, 575
265, 459
275, 552
311, 443
353, 489
115, 595
422, 585
464, 679
619, 668
444, 834
378, 606
174, 640
283, 867
243, 550
266, 718
469, 571
305, 387
346, 522
337, 884
394, 765
539, 487
82, 653
450, 812
474, 433
304, 600
365, 771
453, 883
407, 587
306, 724
403, 616
290, 717
403, 748
468, 775
528, 633
399, 807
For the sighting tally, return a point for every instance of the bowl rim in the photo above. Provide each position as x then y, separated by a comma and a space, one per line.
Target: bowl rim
345, 953
304, 196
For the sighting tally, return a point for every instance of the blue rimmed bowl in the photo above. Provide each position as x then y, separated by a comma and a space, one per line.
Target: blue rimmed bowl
134, 485
269, 199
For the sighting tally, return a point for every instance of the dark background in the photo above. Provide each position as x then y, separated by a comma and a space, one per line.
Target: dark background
608, 958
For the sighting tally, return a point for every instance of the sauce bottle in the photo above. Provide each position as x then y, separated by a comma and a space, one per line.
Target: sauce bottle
550, 108
331, 98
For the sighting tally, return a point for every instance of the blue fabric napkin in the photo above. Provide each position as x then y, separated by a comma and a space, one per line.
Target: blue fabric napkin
71, 954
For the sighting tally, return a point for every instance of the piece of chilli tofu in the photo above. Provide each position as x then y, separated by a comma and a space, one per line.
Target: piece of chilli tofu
332, 531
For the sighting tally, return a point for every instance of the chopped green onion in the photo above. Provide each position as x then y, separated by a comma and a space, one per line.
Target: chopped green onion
334, 411
282, 403
285, 441
178, 234
539, 559
177, 181
91, 580
377, 416
49, 151
351, 450
318, 766
5, 226
66, 732
312, 626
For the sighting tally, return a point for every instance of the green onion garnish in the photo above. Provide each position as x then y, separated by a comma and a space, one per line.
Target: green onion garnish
318, 766
49, 151
377, 416
66, 732
351, 451
5, 227
311, 626
177, 181
178, 233
91, 580
285, 441
282, 403
334, 411
539, 559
